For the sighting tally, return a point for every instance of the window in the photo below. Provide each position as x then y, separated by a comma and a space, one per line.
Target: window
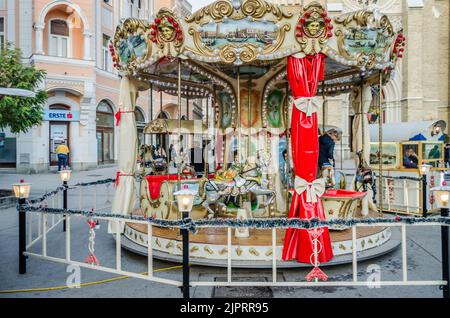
106, 55
59, 38
2, 33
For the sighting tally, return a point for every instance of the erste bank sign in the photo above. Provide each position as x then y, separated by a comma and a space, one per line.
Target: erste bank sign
61, 115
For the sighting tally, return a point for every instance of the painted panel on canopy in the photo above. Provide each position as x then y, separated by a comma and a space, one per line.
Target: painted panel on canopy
217, 35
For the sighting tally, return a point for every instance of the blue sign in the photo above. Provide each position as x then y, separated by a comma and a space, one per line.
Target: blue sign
61, 115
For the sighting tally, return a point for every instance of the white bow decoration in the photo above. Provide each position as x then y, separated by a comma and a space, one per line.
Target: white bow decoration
313, 189
308, 105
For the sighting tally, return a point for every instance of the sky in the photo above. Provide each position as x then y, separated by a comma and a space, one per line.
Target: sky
197, 4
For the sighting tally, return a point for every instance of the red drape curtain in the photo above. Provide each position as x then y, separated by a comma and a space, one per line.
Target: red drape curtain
304, 75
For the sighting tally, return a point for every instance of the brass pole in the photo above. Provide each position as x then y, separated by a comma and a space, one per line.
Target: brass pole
179, 124
362, 114
239, 114
380, 145
288, 160
206, 168
249, 116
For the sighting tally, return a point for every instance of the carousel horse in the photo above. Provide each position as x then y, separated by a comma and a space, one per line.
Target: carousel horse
230, 184
364, 181
330, 175
151, 165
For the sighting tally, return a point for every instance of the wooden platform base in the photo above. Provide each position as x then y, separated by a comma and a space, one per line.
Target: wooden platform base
209, 245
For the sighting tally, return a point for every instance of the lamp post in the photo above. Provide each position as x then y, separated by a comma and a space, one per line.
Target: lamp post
442, 195
22, 192
424, 170
185, 200
65, 177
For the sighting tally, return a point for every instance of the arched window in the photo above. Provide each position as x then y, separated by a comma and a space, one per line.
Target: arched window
140, 119
140, 124
105, 132
105, 114
59, 38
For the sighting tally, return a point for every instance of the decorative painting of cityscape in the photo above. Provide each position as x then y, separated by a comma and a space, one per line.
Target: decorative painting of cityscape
365, 40
217, 35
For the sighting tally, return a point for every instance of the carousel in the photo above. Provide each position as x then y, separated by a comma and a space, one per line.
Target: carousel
264, 71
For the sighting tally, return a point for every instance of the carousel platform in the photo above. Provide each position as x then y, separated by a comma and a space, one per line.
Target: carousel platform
209, 246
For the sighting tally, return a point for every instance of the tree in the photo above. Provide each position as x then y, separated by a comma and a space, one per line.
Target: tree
19, 114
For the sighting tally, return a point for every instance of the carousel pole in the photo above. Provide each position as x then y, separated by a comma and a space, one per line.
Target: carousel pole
288, 157
184, 232
179, 124
206, 161
380, 146
239, 114
249, 116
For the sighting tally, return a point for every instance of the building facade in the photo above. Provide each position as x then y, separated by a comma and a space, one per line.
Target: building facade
69, 40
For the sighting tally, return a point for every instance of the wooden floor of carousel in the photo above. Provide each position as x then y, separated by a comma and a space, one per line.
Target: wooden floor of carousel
209, 245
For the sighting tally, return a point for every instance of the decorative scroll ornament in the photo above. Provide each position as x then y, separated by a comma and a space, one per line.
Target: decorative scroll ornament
130, 46
307, 105
167, 34
158, 126
237, 10
316, 273
313, 29
364, 36
91, 258
313, 189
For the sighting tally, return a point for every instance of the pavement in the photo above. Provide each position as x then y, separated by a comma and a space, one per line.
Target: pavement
423, 246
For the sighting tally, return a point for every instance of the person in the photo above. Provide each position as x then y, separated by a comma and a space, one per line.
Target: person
410, 159
326, 147
197, 159
62, 151
447, 155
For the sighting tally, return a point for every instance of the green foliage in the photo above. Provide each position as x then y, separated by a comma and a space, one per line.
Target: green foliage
17, 113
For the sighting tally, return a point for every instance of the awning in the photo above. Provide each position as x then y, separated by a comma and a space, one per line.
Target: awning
170, 126
418, 130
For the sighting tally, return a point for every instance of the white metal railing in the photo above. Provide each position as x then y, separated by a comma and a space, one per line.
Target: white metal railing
39, 225
47, 222
149, 276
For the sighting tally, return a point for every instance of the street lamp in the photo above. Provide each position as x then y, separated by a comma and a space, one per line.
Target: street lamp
442, 194
65, 177
424, 169
185, 201
22, 192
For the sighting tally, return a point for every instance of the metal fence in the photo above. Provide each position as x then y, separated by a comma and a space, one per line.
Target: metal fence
45, 214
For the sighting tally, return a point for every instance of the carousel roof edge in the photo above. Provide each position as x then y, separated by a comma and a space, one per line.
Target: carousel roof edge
249, 32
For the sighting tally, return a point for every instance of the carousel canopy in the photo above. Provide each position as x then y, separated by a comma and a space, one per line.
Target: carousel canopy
253, 38
170, 126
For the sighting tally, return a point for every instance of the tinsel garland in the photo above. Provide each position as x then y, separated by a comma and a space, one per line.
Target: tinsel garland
61, 189
282, 223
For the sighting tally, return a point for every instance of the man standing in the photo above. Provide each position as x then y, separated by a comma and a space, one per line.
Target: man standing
326, 147
62, 151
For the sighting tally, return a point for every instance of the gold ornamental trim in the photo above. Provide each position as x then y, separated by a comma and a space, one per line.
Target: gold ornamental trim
132, 27
221, 9
362, 19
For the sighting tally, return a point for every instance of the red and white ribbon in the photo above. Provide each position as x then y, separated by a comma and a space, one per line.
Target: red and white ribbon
307, 105
313, 189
